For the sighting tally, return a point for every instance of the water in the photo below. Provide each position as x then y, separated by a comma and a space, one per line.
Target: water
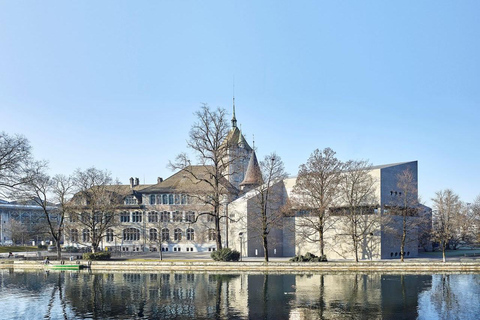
84, 295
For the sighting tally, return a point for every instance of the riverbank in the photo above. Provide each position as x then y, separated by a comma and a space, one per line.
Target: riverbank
280, 266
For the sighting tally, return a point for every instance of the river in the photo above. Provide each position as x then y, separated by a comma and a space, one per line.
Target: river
127, 295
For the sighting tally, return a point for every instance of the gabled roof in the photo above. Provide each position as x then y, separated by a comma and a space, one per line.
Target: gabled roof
185, 182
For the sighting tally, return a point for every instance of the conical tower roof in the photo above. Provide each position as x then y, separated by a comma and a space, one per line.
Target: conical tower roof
253, 176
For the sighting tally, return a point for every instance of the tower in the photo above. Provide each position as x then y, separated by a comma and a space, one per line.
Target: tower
238, 153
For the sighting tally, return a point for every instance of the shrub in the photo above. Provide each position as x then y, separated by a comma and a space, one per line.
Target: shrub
96, 256
309, 257
225, 254
71, 249
42, 247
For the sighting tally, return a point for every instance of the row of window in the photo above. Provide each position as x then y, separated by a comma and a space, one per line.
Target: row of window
179, 199
169, 199
164, 216
133, 234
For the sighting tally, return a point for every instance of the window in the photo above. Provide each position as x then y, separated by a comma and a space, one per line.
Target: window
109, 235
170, 199
98, 217
177, 216
152, 199
130, 199
190, 234
153, 216
184, 199
164, 216
190, 216
211, 218
164, 199
74, 235
125, 217
165, 234
177, 234
211, 235
177, 199
85, 217
153, 234
137, 216
85, 235
131, 234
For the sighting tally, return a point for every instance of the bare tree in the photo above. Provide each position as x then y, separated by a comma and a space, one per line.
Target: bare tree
52, 195
476, 218
447, 206
357, 192
402, 218
268, 200
209, 142
17, 230
316, 190
464, 226
17, 166
95, 204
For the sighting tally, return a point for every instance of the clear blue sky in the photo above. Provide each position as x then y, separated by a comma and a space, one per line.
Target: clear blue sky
114, 84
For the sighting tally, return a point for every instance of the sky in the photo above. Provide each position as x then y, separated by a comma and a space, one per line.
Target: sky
115, 84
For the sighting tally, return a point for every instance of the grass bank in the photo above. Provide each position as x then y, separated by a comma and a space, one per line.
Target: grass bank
6, 249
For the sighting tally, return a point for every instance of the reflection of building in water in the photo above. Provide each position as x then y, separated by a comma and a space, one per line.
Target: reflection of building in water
160, 295
343, 296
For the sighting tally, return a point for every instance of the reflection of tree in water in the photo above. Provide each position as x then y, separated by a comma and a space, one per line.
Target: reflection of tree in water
150, 296
356, 302
58, 288
444, 299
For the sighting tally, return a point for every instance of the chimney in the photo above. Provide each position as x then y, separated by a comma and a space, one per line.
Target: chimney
131, 183
159, 180
137, 181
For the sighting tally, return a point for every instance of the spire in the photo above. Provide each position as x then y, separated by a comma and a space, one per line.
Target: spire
253, 176
234, 120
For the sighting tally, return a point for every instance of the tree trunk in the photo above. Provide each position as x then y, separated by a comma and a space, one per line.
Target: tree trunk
322, 244
404, 237
59, 250
265, 247
217, 230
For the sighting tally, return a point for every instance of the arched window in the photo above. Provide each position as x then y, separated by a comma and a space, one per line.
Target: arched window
190, 234
177, 234
74, 235
152, 199
211, 234
85, 235
164, 199
170, 199
165, 234
131, 234
153, 234
153, 216
109, 235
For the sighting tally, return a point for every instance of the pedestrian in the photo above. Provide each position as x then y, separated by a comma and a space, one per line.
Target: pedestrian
10, 254
47, 260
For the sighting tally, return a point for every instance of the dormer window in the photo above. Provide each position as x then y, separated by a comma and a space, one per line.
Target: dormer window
130, 200
152, 199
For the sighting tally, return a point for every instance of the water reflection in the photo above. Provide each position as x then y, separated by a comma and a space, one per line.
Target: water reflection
73, 295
